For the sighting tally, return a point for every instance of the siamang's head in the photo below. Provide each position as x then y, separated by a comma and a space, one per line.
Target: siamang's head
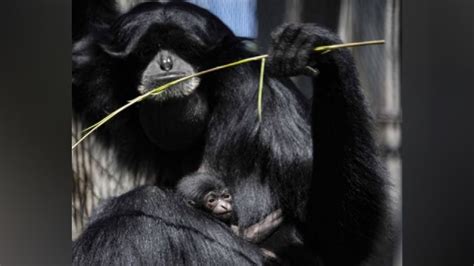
154, 44
208, 193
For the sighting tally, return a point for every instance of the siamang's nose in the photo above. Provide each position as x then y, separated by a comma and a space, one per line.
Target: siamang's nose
166, 62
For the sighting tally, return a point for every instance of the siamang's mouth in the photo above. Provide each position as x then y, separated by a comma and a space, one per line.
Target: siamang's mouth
224, 215
179, 90
169, 76
153, 82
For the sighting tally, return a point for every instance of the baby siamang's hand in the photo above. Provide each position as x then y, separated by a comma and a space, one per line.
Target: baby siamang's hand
261, 230
291, 52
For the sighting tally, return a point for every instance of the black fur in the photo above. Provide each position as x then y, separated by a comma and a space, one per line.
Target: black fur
194, 187
320, 167
149, 226
347, 195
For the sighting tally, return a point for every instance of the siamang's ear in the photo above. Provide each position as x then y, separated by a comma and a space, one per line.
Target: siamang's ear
191, 202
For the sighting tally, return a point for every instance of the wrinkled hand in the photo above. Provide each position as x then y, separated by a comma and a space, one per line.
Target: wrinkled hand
291, 52
261, 230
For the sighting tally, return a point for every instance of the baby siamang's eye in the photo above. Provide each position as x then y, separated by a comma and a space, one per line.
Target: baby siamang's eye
226, 196
211, 200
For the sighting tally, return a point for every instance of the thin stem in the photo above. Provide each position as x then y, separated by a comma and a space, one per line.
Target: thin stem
260, 90
348, 45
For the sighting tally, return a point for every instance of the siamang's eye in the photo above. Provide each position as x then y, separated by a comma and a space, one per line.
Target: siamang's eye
211, 200
226, 196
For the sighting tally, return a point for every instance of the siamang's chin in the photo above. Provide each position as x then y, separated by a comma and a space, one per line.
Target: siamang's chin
175, 124
180, 90
224, 216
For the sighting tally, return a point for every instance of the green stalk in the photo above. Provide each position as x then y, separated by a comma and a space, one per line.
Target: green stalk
260, 90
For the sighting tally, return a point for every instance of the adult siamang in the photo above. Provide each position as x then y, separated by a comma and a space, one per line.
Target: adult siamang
317, 164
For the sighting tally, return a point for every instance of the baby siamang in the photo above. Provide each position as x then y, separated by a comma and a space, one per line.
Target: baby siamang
207, 193
151, 226
317, 164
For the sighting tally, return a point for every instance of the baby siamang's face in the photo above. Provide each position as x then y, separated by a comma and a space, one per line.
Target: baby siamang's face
208, 193
218, 203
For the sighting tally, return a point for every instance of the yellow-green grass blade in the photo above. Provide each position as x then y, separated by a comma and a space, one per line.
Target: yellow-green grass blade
260, 90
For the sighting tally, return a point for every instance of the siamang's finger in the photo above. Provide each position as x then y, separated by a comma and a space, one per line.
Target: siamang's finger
269, 254
261, 230
270, 223
323, 36
235, 229
274, 215
278, 31
296, 63
275, 53
251, 234
264, 230
304, 49
278, 58
289, 36
311, 71
306, 55
283, 35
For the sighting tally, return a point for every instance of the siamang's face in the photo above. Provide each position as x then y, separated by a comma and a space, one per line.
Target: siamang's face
177, 117
167, 66
217, 202
166, 54
158, 43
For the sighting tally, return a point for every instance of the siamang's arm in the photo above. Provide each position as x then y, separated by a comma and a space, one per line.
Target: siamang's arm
346, 200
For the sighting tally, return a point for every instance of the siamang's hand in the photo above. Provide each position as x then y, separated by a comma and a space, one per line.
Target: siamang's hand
291, 52
261, 230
